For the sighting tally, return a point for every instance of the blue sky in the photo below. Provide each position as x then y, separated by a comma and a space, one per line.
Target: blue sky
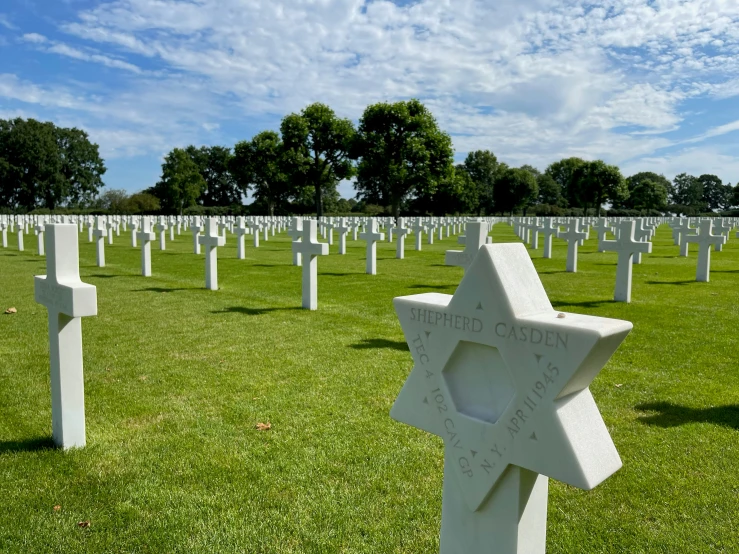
649, 85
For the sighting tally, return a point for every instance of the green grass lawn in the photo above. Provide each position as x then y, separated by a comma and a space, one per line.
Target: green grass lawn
177, 377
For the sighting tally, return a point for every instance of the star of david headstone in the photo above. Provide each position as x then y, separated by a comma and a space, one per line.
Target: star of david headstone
503, 378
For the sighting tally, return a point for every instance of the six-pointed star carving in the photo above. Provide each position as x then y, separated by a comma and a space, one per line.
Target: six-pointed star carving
503, 378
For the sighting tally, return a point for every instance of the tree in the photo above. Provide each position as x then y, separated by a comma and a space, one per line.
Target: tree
647, 191
48, 166
114, 201
735, 196
550, 193
563, 173
143, 203
594, 183
181, 182
483, 168
514, 189
401, 152
716, 195
82, 168
687, 191
259, 165
317, 144
220, 185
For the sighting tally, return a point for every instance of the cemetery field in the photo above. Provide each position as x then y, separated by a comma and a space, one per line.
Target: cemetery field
177, 379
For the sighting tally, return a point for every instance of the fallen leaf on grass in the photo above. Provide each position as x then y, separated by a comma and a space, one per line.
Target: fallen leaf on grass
264, 426
11, 311
57, 508
83, 524
618, 386
143, 378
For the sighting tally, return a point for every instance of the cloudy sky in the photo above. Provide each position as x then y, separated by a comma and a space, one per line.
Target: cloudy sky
644, 84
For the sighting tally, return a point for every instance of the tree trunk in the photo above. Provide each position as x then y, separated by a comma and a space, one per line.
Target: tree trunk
319, 199
271, 208
396, 209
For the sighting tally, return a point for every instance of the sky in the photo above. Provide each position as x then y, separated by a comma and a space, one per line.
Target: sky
648, 85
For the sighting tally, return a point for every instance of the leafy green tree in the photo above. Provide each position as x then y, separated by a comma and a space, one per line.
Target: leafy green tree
81, 167
181, 182
687, 191
550, 193
563, 173
647, 191
716, 195
734, 200
317, 144
42, 165
515, 189
259, 165
143, 203
220, 186
483, 169
114, 201
594, 183
402, 152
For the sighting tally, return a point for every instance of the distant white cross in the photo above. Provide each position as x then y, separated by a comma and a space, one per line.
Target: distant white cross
211, 240
372, 236
705, 239
626, 246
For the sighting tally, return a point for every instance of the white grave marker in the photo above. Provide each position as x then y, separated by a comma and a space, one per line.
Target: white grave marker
626, 247
503, 378
146, 235
476, 237
372, 236
573, 236
100, 232
705, 239
310, 248
67, 299
401, 231
211, 240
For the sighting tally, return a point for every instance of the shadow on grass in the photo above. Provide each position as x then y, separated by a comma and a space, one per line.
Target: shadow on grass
672, 415
552, 272
725, 271
583, 304
432, 287
160, 289
331, 274
269, 265
28, 445
368, 344
252, 311
670, 282
104, 276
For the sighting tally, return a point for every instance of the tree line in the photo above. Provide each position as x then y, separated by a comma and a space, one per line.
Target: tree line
399, 160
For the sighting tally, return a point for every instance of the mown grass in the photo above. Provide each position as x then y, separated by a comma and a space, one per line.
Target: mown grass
177, 377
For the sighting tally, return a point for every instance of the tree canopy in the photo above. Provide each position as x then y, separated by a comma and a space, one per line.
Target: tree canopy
401, 151
42, 165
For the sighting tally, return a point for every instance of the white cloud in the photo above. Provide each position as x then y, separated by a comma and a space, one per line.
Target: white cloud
5, 22
533, 80
34, 38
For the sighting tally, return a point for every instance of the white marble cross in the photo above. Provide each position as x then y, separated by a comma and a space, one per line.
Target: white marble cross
418, 229
683, 229
20, 238
310, 248
601, 227
39, 228
100, 232
256, 227
4, 229
475, 237
705, 239
211, 240
240, 230
67, 299
626, 247
550, 229
721, 228
161, 228
372, 236
296, 233
503, 378
146, 235
342, 228
196, 229
573, 236
135, 226
401, 231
